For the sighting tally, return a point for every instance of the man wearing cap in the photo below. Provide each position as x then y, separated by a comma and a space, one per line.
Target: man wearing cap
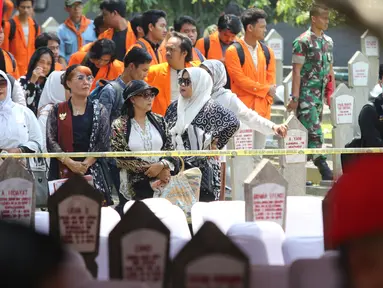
76, 31
353, 223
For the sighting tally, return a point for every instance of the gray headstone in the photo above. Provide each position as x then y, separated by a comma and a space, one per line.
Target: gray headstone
74, 218
358, 70
342, 117
370, 47
288, 83
211, 259
50, 25
293, 167
265, 194
17, 193
275, 41
139, 248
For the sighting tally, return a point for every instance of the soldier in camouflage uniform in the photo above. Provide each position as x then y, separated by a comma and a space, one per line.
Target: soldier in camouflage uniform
312, 65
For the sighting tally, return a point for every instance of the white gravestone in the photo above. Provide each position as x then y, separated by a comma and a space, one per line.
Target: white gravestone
342, 116
293, 167
265, 194
275, 42
358, 71
50, 25
370, 48
288, 84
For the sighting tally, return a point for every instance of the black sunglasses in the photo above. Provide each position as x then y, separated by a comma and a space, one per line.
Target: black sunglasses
147, 95
184, 81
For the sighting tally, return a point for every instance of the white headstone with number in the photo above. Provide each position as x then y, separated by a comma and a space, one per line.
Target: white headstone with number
265, 194
370, 47
275, 41
293, 167
358, 71
342, 116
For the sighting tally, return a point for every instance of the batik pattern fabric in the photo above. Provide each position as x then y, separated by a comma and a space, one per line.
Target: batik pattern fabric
32, 93
315, 54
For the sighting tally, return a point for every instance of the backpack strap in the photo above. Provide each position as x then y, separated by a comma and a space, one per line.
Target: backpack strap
200, 56
240, 52
142, 45
12, 80
12, 31
266, 51
206, 45
36, 28
13, 60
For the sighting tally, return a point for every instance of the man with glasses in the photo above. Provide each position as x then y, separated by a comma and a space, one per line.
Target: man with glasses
76, 31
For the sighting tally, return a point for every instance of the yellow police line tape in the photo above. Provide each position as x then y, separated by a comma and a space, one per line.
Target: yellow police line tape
228, 153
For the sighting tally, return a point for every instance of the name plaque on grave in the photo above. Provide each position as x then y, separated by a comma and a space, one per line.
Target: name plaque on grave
295, 139
344, 109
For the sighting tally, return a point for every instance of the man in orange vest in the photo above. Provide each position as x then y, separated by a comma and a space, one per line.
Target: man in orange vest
251, 67
164, 76
120, 30
20, 34
154, 26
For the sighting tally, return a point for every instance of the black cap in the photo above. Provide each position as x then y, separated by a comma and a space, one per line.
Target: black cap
136, 87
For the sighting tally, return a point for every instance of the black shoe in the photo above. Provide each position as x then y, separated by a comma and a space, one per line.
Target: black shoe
324, 170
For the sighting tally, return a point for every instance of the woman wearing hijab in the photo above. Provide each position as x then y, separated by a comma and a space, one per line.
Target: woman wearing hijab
229, 100
20, 132
197, 122
79, 125
53, 93
138, 129
41, 65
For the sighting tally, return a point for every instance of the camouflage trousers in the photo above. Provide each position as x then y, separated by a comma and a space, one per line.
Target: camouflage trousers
310, 115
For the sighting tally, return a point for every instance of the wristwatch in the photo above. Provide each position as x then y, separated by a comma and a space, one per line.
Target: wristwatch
295, 99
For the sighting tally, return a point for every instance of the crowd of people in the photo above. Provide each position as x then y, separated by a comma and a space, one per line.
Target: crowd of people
110, 84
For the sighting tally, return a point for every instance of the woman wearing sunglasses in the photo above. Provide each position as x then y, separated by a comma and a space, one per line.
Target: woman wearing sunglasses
79, 125
138, 129
41, 65
197, 122
19, 129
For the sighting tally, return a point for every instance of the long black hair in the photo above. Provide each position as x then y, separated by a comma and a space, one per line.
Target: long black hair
36, 57
128, 109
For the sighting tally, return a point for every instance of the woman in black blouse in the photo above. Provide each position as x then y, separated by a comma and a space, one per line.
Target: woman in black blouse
41, 65
79, 125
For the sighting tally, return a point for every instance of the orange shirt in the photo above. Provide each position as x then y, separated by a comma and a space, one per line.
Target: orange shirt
250, 83
107, 72
130, 37
11, 64
215, 48
9, 10
18, 47
159, 76
59, 67
144, 44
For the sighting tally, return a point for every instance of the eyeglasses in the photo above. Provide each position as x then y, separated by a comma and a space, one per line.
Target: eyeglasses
3, 83
88, 78
184, 81
147, 95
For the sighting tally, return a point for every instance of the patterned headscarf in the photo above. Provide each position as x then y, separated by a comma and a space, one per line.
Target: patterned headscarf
218, 73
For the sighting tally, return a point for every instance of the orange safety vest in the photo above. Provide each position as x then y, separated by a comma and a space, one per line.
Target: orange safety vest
144, 44
9, 6
215, 48
130, 37
11, 64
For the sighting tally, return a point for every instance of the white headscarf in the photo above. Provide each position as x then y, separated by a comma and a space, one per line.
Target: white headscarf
53, 91
6, 110
218, 72
188, 109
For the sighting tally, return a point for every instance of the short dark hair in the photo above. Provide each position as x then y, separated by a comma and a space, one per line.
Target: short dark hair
151, 17
114, 5
18, 2
137, 56
233, 8
103, 47
251, 16
43, 38
98, 22
135, 22
181, 21
316, 9
186, 45
229, 22
380, 71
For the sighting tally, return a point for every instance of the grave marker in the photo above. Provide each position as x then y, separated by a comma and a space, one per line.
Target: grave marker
50, 25
139, 248
17, 193
265, 194
210, 260
370, 48
275, 41
293, 167
74, 218
358, 70
288, 84
342, 118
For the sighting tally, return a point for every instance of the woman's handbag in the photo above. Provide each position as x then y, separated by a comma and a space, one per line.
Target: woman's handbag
183, 189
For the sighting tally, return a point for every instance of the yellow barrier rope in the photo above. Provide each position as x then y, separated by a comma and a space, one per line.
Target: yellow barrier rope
228, 153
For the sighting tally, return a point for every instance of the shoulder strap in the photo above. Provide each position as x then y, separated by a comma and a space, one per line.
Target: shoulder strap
12, 31
200, 56
141, 44
240, 52
266, 51
12, 59
36, 28
12, 80
206, 45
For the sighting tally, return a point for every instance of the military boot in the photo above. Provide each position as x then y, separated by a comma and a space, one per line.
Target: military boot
323, 168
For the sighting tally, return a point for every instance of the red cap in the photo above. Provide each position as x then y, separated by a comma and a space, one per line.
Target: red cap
355, 203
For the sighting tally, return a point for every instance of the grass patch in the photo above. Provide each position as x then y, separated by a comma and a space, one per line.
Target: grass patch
327, 130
